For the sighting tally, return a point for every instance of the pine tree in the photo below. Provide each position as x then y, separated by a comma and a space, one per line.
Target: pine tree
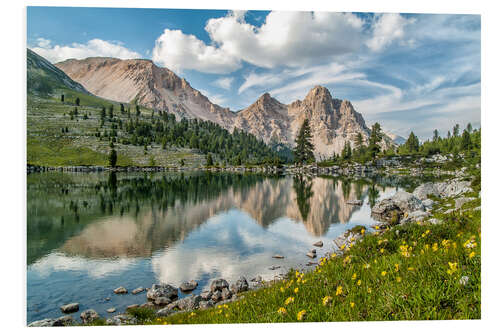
436, 135
412, 143
375, 138
466, 141
469, 128
62, 98
210, 161
77, 101
112, 158
304, 149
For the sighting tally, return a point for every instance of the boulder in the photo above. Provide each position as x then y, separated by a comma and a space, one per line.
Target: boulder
216, 296
240, 286
188, 286
162, 290
218, 284
47, 322
64, 321
161, 301
188, 303
206, 295
311, 254
424, 190
459, 202
355, 202
138, 290
416, 216
206, 304
89, 316
318, 244
71, 307
278, 256
164, 312
428, 203
111, 310
120, 290
226, 294
394, 207
121, 319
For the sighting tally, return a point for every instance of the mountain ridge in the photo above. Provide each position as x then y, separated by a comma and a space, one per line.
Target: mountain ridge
334, 122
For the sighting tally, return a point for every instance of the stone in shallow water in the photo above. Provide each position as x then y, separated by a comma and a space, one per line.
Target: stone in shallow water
162, 290
218, 284
138, 290
120, 290
318, 244
133, 306
111, 310
64, 321
188, 286
71, 307
311, 255
206, 294
278, 256
47, 322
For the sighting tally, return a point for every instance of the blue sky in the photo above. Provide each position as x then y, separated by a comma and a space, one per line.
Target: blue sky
408, 72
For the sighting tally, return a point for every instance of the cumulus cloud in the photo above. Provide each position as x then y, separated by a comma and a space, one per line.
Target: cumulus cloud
388, 28
224, 82
93, 48
285, 39
178, 51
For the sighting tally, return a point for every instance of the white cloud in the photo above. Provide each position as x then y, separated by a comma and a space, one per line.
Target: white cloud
93, 48
285, 39
177, 51
224, 82
386, 29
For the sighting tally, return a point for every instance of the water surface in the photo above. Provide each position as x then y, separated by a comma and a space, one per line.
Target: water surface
91, 233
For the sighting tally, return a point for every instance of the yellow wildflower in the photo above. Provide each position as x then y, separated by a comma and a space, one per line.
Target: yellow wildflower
396, 267
369, 290
339, 291
289, 300
301, 315
296, 290
327, 300
453, 268
363, 231
411, 268
398, 279
282, 289
352, 304
435, 247
358, 283
472, 254
333, 255
353, 276
382, 250
383, 273
367, 266
282, 311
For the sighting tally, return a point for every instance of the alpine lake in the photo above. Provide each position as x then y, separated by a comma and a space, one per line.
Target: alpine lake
89, 233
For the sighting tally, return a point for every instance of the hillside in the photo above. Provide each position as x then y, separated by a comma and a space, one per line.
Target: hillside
43, 77
334, 122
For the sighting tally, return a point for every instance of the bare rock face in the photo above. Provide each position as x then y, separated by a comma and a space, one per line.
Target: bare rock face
333, 121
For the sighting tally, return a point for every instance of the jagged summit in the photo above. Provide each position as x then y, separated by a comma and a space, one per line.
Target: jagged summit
333, 121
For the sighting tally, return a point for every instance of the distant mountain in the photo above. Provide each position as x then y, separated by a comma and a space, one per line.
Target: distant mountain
333, 121
43, 77
397, 139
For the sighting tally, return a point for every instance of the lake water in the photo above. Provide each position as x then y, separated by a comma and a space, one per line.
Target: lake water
88, 234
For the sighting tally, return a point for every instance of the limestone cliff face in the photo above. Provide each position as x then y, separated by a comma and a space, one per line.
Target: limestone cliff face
333, 121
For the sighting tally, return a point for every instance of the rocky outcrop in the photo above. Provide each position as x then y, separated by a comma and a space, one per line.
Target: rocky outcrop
72, 307
447, 189
121, 319
240, 286
188, 286
394, 208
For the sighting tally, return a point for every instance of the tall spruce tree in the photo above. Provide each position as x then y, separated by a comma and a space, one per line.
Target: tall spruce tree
304, 148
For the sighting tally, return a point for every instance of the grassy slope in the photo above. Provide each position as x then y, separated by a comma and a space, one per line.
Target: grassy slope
48, 146
405, 273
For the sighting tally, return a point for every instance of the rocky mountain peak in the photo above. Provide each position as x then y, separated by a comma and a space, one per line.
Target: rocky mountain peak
318, 93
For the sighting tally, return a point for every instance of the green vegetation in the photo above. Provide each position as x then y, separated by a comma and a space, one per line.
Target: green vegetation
409, 272
304, 149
